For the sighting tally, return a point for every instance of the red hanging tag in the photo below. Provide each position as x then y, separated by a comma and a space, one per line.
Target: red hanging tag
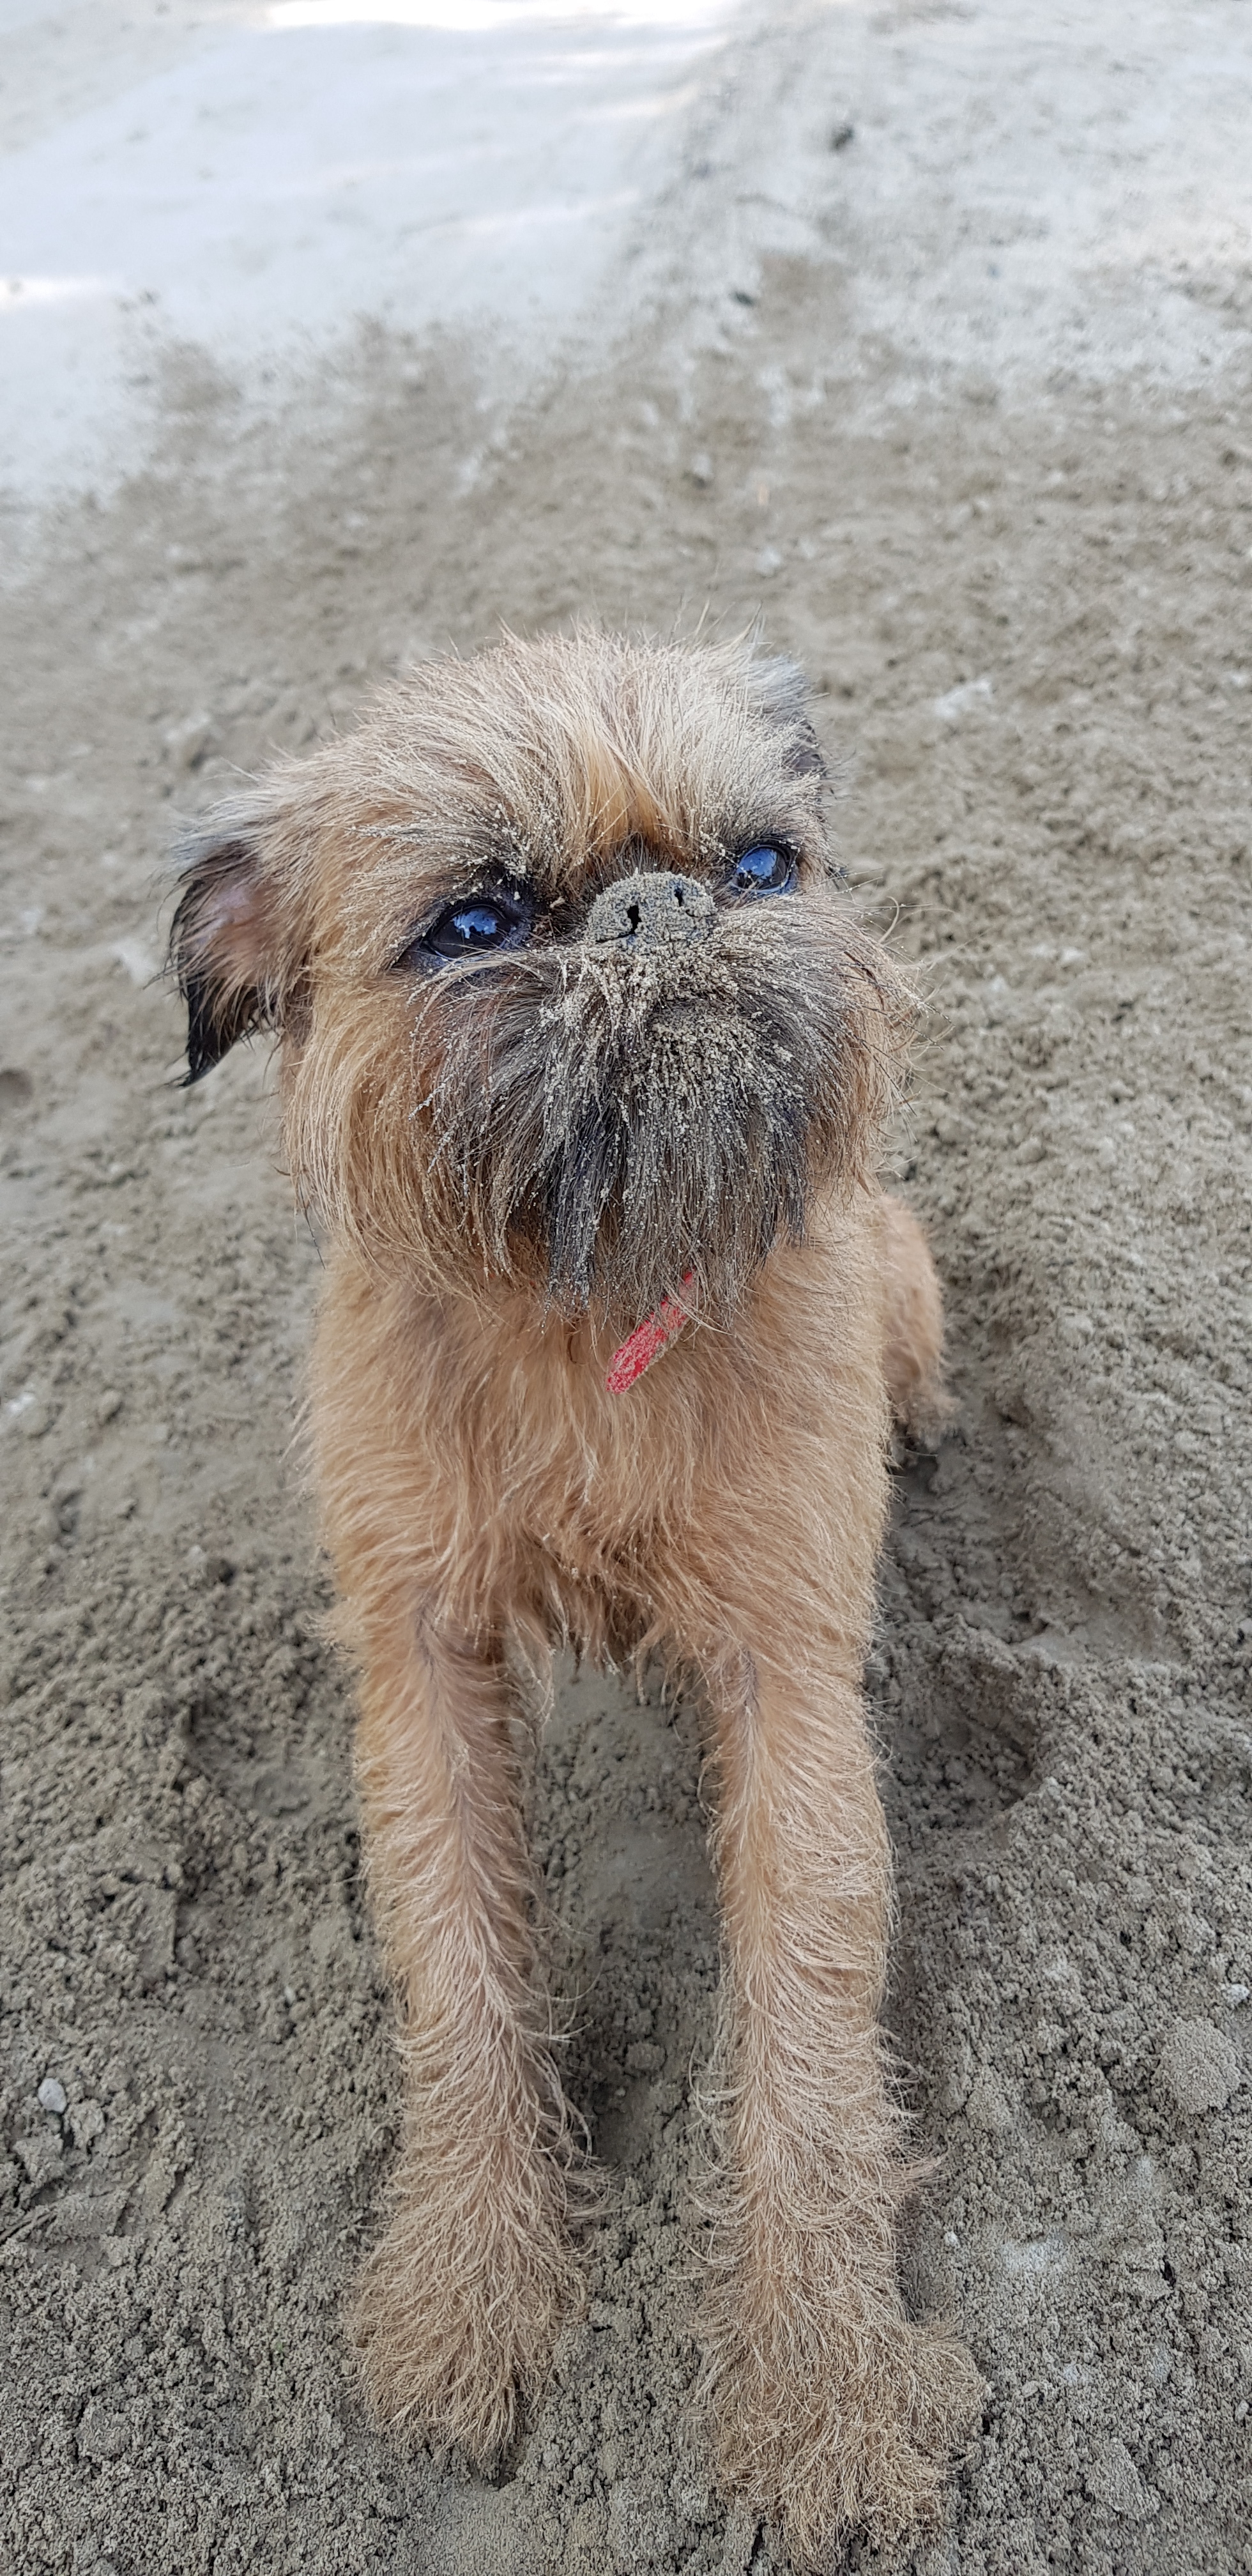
649, 1339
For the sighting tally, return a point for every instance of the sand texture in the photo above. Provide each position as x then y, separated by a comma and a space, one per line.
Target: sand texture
1023, 593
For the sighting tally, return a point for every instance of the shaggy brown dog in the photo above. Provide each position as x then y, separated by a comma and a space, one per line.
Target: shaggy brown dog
575, 1022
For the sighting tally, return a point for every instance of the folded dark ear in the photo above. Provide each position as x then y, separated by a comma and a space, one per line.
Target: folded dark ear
226, 940
780, 691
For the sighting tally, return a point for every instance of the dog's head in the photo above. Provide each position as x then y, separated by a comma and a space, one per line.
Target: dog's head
566, 988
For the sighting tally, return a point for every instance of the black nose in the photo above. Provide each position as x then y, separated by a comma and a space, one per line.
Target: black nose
651, 910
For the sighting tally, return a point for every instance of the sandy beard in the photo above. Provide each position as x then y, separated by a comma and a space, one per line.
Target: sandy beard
608, 1125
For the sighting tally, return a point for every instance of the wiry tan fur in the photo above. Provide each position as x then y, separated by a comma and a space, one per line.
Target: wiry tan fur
483, 1495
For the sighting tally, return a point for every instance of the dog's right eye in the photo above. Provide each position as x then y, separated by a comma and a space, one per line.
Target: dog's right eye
485, 922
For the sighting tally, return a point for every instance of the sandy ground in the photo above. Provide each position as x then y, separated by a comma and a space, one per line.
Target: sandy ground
248, 178
962, 408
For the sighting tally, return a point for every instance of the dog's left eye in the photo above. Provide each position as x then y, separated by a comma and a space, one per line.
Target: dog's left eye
763, 871
486, 921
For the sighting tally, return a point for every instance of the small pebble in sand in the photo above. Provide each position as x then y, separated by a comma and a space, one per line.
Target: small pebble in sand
1199, 2067
187, 743
86, 2123
39, 2156
988, 2106
1114, 2480
52, 2095
102, 2435
701, 469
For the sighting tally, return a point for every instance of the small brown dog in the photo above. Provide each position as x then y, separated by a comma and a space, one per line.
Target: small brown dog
584, 1067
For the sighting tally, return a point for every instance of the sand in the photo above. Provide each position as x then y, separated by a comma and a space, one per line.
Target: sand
248, 178
1019, 570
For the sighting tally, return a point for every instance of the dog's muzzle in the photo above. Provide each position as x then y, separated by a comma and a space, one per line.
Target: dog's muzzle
652, 910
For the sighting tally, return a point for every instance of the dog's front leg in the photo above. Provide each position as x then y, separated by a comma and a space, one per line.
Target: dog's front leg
831, 2410
459, 2305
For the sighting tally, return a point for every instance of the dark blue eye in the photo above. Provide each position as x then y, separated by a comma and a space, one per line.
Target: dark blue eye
486, 921
763, 871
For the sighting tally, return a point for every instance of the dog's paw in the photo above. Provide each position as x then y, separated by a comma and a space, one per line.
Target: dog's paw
454, 2321
839, 2423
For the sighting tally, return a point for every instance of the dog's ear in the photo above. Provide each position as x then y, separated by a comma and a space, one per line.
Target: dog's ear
229, 942
779, 691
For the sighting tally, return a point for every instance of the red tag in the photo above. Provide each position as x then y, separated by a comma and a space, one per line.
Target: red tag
648, 1340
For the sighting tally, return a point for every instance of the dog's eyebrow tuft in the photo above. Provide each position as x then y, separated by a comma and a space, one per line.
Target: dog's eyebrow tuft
779, 690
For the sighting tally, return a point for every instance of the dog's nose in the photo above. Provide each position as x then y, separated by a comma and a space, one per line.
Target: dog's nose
653, 909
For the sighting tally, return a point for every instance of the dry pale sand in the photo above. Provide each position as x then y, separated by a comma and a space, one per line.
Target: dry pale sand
1024, 600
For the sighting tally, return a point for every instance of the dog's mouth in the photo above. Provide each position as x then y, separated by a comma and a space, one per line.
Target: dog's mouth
610, 1126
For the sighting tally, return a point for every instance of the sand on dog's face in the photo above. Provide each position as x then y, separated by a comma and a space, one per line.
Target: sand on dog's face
1027, 625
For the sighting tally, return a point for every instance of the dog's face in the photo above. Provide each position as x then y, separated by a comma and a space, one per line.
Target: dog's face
566, 990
